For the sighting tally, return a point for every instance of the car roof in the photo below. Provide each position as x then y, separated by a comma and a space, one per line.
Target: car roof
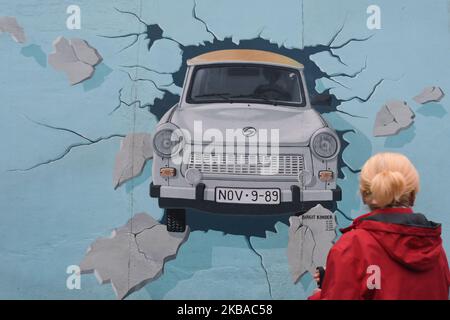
244, 56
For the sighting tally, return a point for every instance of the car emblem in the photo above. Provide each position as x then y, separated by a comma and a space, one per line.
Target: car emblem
249, 131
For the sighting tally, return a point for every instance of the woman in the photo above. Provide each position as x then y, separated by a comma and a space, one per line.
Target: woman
391, 252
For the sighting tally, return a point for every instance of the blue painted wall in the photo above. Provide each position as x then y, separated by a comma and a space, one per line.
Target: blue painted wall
50, 214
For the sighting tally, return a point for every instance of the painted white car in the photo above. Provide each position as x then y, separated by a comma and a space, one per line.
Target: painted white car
243, 139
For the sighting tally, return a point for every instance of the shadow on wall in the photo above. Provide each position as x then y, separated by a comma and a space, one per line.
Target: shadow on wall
101, 72
235, 224
432, 109
145, 176
34, 51
401, 139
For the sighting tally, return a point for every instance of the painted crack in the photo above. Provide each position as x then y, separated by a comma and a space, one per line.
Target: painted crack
330, 47
250, 245
136, 35
351, 75
153, 32
151, 81
196, 17
344, 215
136, 102
372, 91
87, 142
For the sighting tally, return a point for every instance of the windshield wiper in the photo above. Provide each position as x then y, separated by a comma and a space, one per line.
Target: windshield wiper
223, 95
258, 97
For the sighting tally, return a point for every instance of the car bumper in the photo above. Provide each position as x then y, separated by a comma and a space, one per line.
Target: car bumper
199, 198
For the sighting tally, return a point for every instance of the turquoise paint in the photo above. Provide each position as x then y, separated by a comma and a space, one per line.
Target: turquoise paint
50, 215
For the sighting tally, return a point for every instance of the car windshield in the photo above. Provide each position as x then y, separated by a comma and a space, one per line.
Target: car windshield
246, 83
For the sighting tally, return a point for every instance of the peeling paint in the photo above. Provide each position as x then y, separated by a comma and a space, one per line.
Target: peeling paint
135, 150
311, 236
429, 94
394, 116
134, 254
11, 26
76, 58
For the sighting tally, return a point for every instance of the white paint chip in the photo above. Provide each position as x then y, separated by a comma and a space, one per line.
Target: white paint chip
394, 116
135, 150
75, 58
429, 94
11, 26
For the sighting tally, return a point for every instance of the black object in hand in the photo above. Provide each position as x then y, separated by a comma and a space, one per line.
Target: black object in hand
321, 271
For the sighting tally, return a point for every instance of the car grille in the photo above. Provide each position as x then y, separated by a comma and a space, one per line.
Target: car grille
280, 165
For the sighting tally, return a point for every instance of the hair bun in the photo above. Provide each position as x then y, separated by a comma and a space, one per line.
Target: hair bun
387, 187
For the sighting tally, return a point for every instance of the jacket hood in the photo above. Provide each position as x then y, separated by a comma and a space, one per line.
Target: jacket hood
408, 238
295, 126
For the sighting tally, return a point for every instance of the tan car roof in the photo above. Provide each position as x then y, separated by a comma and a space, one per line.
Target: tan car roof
244, 55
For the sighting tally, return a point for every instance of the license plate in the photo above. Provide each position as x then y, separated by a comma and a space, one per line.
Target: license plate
248, 195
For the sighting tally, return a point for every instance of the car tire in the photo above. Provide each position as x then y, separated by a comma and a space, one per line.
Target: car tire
176, 220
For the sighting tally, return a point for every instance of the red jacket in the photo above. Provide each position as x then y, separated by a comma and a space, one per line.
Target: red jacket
387, 254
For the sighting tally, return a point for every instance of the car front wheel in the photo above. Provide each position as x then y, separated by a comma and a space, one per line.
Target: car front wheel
176, 220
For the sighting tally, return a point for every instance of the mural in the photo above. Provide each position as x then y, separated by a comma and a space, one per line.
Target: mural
84, 84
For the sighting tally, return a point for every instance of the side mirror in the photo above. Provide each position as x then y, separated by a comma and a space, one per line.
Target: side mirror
322, 99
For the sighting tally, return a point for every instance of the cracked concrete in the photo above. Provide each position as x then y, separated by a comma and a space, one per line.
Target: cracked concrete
11, 26
137, 224
311, 237
250, 245
134, 255
429, 94
196, 17
76, 58
87, 142
155, 85
160, 245
330, 47
135, 150
152, 31
367, 98
136, 35
394, 116
350, 75
121, 102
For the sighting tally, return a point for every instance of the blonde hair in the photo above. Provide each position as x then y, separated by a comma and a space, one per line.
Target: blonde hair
389, 179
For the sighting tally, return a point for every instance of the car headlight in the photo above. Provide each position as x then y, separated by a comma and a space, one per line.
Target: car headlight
167, 142
325, 145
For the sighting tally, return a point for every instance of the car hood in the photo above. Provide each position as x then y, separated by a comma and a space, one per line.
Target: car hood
295, 126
